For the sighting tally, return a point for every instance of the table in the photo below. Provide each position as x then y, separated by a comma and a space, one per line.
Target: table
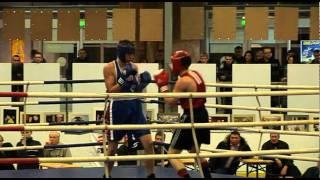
256, 164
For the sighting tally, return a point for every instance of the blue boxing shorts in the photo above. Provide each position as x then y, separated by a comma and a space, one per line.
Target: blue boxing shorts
125, 112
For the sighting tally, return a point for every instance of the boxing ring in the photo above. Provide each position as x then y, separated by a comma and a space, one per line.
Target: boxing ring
159, 171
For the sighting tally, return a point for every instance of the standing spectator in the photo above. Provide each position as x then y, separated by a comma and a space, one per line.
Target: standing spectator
280, 167
159, 58
225, 75
237, 57
316, 55
28, 153
275, 73
229, 165
284, 70
37, 57
54, 139
82, 58
6, 154
17, 75
204, 58
259, 57
275, 64
248, 57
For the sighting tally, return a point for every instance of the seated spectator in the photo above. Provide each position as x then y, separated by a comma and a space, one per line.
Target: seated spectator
126, 149
37, 57
6, 154
159, 141
204, 58
28, 153
59, 118
280, 167
54, 139
229, 165
312, 172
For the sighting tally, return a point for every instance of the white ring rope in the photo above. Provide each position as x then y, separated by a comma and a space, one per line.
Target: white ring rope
164, 95
177, 156
165, 126
269, 156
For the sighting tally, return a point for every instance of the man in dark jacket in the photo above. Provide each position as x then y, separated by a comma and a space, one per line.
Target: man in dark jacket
6, 154
82, 58
28, 153
280, 167
229, 165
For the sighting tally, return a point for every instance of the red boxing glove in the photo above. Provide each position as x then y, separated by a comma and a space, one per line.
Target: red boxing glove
161, 77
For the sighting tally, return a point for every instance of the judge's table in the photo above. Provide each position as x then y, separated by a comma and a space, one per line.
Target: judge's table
256, 164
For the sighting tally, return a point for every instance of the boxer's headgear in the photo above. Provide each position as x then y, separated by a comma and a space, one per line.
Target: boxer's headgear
180, 59
124, 47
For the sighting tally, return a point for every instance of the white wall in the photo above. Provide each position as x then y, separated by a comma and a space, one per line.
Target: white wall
303, 75
83, 71
258, 74
5, 71
42, 72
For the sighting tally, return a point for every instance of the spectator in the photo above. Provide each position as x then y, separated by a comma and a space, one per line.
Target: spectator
82, 58
284, 70
248, 57
17, 75
275, 64
237, 57
159, 144
312, 172
54, 139
229, 165
259, 57
124, 150
225, 74
294, 54
204, 58
316, 55
28, 153
6, 154
37, 57
280, 167
159, 58
59, 118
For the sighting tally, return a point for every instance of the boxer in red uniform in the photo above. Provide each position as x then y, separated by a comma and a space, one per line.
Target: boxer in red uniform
189, 81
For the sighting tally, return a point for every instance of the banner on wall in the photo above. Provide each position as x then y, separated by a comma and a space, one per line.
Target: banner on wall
306, 50
17, 48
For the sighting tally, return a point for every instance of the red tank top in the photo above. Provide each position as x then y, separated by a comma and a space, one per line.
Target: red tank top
201, 87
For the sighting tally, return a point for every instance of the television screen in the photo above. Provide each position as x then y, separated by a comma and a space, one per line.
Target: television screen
307, 48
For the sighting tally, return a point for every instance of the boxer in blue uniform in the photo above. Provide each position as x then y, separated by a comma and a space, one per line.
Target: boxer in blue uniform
121, 76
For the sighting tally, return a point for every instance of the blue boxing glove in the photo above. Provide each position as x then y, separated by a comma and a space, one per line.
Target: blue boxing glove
127, 79
145, 79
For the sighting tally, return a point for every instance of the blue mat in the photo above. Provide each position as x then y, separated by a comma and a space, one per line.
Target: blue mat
117, 172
